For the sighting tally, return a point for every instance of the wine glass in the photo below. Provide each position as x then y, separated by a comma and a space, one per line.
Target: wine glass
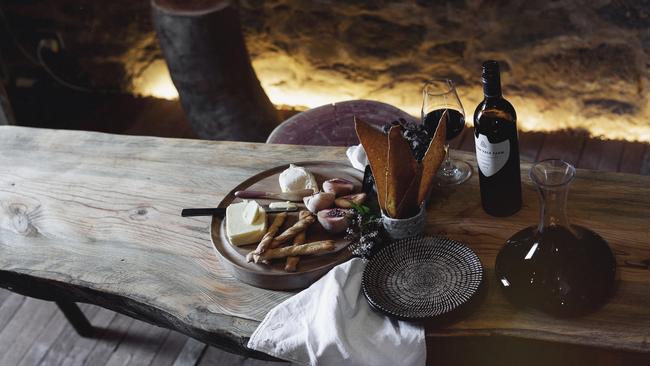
438, 96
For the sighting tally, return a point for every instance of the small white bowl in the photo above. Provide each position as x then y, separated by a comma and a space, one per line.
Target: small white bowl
404, 228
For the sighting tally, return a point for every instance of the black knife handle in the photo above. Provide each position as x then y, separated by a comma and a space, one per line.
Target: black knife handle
203, 212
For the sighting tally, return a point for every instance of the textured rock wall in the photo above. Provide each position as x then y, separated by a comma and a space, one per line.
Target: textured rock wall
567, 64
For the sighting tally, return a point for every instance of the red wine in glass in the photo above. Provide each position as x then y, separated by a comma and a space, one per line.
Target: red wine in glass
455, 122
438, 96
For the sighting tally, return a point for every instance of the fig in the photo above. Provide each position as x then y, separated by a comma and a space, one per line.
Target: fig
319, 201
334, 220
338, 186
347, 201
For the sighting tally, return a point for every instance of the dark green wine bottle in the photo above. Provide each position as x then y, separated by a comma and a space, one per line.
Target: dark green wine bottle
497, 147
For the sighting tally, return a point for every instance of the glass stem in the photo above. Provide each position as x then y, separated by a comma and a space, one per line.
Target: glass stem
447, 166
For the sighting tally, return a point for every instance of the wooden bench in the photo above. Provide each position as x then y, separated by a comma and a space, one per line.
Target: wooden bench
95, 218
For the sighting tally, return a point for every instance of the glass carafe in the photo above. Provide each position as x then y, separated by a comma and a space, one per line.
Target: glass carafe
556, 267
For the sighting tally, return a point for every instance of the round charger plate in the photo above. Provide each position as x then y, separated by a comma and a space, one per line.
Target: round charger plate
421, 277
273, 276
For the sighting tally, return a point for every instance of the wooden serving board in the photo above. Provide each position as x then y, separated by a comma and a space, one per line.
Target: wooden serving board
274, 276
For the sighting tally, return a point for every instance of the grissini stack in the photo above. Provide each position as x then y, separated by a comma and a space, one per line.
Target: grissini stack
267, 238
292, 262
316, 247
300, 226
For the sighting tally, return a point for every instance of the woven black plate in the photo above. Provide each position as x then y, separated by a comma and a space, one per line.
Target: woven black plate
421, 277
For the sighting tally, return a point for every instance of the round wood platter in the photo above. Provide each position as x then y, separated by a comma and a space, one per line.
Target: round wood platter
273, 276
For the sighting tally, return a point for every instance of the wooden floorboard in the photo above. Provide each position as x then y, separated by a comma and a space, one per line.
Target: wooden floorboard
170, 349
112, 337
190, 354
468, 141
601, 155
567, 146
139, 345
530, 144
633, 155
645, 164
612, 153
51, 334
60, 348
214, 356
82, 347
592, 153
22, 330
4, 295
9, 307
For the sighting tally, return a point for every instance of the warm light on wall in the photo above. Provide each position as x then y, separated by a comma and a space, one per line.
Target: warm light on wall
155, 81
291, 84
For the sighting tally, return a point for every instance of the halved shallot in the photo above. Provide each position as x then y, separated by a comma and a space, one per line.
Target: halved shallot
338, 186
319, 201
334, 220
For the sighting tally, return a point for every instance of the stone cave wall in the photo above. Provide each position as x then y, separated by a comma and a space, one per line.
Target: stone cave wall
566, 64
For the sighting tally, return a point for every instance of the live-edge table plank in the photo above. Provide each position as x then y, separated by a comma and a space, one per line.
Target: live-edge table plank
94, 217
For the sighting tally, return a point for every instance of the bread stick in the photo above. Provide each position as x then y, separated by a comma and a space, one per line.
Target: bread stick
291, 232
292, 262
268, 237
316, 247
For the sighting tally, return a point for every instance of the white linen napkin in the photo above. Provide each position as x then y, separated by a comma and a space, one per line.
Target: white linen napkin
357, 156
331, 323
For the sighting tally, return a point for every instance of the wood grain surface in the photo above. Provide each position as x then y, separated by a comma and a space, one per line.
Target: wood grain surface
95, 218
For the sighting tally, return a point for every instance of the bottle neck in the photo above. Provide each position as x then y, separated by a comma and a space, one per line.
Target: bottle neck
492, 87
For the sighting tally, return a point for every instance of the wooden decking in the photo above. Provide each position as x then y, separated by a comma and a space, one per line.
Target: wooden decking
34, 332
576, 148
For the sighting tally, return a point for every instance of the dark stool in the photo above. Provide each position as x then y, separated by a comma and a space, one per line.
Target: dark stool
333, 124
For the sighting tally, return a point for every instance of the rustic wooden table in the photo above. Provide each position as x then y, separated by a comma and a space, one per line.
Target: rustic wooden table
91, 217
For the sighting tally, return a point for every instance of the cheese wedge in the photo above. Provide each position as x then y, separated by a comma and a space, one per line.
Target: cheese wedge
288, 205
240, 232
251, 210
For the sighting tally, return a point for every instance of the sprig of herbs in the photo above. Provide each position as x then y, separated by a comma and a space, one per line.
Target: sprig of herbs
365, 232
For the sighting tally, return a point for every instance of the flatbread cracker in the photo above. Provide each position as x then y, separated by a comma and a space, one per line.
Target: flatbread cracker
375, 143
401, 171
433, 158
410, 205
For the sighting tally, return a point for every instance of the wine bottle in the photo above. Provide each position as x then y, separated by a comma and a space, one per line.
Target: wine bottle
497, 147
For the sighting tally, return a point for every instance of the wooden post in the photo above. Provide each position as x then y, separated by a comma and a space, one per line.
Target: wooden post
209, 65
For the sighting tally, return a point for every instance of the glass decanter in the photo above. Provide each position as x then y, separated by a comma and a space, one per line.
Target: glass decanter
556, 267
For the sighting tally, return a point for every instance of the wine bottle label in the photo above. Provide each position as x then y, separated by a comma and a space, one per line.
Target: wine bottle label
491, 157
